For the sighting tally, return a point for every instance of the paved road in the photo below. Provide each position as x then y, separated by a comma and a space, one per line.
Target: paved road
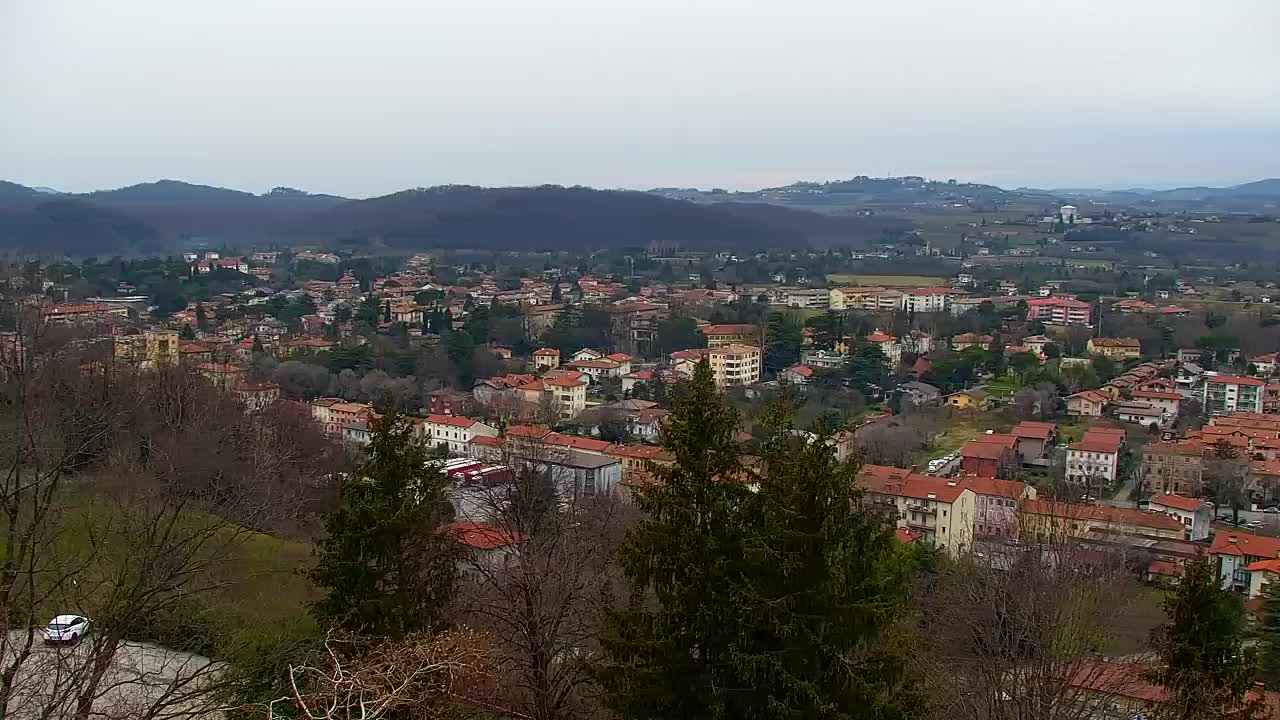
141, 676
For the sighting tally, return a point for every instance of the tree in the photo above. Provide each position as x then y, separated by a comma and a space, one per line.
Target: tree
386, 311
383, 566
823, 592
186, 334
867, 368
1268, 631
257, 348
782, 342
202, 318
996, 638
666, 659
679, 333
1023, 364
1203, 665
556, 297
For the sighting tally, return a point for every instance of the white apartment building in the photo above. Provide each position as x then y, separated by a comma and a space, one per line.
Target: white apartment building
453, 431
865, 298
1230, 393
929, 299
735, 364
1093, 459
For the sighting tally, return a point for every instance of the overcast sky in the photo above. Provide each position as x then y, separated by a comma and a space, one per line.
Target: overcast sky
366, 97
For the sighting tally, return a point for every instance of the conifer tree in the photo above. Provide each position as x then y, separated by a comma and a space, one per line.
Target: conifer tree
668, 661
1204, 667
383, 565
823, 593
1269, 637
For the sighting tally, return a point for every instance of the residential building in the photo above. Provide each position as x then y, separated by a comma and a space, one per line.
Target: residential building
964, 341
74, 313
930, 299
737, 334
149, 349
448, 402
1141, 413
546, 359
256, 397
1095, 460
1195, 515
1051, 519
1089, 403
1037, 343
942, 512
1166, 401
1230, 393
998, 504
796, 375
919, 393
1232, 553
1173, 468
568, 393
1117, 348
975, 398
735, 365
1035, 439
989, 455
823, 359
812, 298
453, 431
486, 548
1063, 310
888, 345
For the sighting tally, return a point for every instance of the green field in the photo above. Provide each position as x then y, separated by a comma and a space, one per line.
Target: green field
885, 280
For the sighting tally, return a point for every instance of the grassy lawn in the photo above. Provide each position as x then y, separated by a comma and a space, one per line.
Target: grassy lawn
1003, 387
958, 432
886, 280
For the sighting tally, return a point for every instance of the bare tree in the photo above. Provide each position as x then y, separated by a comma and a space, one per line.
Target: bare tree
544, 599
128, 494
417, 676
1019, 632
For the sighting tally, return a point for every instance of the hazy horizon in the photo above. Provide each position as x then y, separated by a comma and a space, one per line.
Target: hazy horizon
364, 99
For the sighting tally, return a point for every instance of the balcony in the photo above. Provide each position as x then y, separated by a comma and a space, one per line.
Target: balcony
923, 509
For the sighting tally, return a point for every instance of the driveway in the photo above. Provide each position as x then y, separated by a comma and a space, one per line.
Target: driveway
144, 680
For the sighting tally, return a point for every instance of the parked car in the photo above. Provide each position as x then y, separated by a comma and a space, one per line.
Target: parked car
66, 630
1253, 524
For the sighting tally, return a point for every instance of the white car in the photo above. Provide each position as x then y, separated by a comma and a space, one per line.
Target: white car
66, 630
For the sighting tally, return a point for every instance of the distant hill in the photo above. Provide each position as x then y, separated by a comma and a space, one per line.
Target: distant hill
1258, 196
46, 224
162, 213
552, 217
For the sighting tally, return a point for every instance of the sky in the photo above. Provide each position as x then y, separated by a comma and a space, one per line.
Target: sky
365, 98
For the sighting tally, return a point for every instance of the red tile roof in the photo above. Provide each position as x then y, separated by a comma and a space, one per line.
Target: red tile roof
451, 420
1156, 395
994, 487
1177, 502
1234, 380
801, 370
1038, 430
880, 337
1102, 513
730, 329
886, 480
1230, 542
546, 351
1266, 565
984, 451
479, 535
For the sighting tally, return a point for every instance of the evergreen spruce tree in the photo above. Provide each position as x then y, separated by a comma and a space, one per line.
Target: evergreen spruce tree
383, 566
1268, 632
186, 334
202, 319
1203, 666
257, 348
670, 660
556, 297
825, 588
782, 342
